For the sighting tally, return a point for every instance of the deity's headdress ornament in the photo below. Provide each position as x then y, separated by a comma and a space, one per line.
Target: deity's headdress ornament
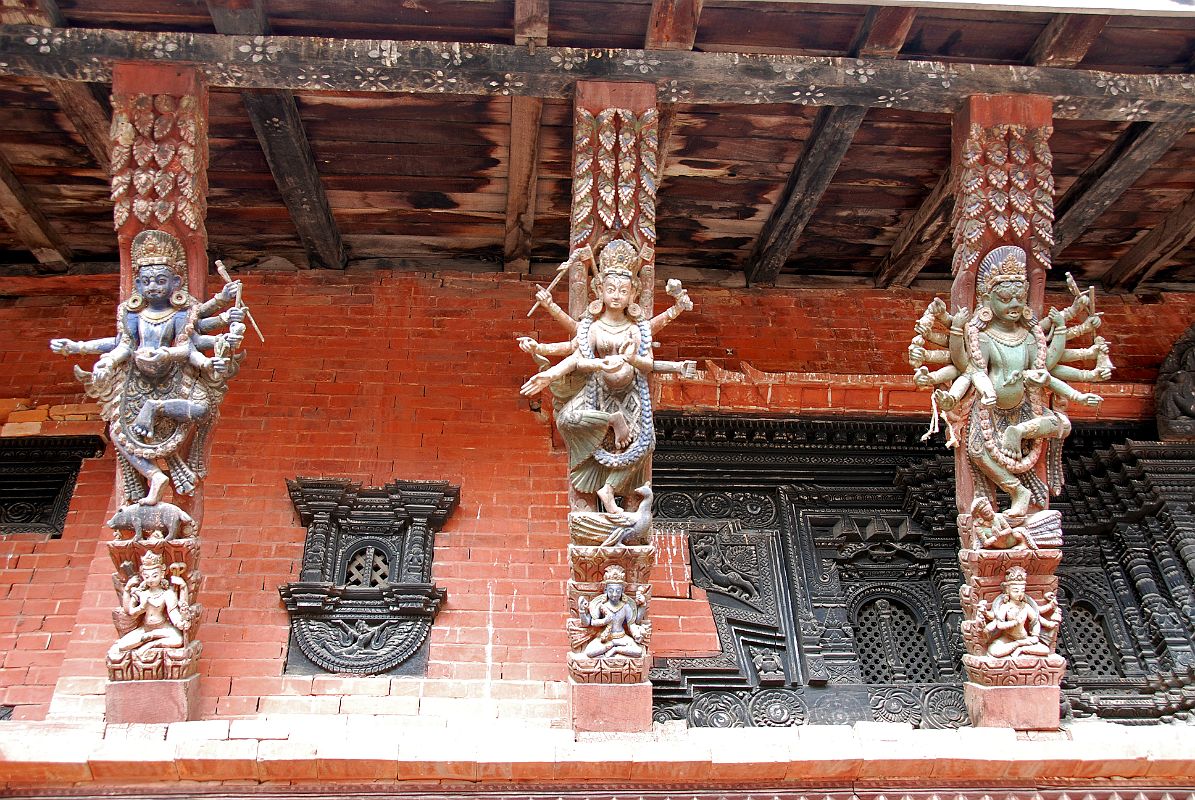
1015, 575
619, 257
151, 559
154, 247
1002, 265
614, 574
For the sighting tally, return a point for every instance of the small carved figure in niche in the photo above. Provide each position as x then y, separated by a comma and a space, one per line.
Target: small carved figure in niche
768, 666
605, 411
993, 531
154, 611
1016, 624
617, 618
1176, 397
1004, 367
159, 390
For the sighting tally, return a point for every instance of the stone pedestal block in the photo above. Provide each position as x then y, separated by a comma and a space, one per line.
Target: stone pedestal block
624, 707
155, 701
1026, 708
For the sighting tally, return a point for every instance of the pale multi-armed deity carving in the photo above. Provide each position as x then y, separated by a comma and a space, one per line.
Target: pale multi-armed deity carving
604, 414
160, 380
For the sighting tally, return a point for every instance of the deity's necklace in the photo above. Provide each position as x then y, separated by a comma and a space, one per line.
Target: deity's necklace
156, 317
1008, 339
613, 327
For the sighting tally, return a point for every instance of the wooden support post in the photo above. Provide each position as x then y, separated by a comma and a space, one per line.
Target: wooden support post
279, 128
920, 238
1154, 249
881, 35
530, 29
29, 223
159, 166
1066, 40
673, 24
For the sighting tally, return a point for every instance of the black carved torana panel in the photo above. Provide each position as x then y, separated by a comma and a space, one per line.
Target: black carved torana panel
828, 550
37, 479
364, 602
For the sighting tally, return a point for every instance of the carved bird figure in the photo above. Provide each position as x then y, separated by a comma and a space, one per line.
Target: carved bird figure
636, 523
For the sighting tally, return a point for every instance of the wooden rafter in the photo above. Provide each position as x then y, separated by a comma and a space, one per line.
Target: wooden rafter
881, 34
673, 24
1066, 40
920, 238
279, 128
1154, 249
1107, 178
531, 30
84, 104
331, 64
29, 223
1063, 43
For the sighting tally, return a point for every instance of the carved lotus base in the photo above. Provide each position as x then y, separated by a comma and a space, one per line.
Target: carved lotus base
1015, 671
165, 664
610, 707
609, 670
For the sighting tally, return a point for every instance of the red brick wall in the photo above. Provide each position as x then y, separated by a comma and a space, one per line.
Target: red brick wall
374, 376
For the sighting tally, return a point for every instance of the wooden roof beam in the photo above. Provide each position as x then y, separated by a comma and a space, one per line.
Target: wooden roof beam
530, 29
1066, 40
1107, 178
673, 24
1154, 249
881, 35
84, 104
29, 223
1063, 43
279, 128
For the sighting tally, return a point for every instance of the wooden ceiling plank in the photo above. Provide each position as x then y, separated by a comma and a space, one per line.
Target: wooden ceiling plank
29, 223
531, 23
673, 24
1107, 178
279, 128
1066, 40
919, 239
1154, 249
881, 34
338, 64
84, 104
525, 114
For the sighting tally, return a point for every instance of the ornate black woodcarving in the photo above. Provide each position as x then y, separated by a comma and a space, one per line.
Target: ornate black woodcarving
838, 600
37, 478
364, 602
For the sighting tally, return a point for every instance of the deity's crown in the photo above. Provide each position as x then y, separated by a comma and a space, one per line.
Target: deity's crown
1015, 575
614, 574
1002, 265
151, 559
619, 257
153, 247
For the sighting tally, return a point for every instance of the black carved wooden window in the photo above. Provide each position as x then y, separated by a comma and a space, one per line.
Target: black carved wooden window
1086, 644
37, 479
893, 647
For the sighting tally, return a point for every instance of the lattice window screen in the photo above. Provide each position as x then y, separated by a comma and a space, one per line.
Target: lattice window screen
893, 647
1087, 640
368, 567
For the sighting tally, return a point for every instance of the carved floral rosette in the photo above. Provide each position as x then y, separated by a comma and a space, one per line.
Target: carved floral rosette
178, 557
588, 565
984, 572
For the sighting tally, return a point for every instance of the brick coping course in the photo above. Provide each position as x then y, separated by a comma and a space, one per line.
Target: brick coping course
303, 749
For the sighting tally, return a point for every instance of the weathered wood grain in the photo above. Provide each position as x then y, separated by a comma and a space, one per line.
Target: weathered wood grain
326, 64
522, 180
531, 22
673, 24
30, 224
1116, 169
279, 129
1066, 40
1154, 249
919, 239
